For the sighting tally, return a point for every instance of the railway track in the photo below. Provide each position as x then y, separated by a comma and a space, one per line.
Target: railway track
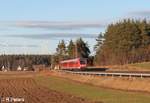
111, 73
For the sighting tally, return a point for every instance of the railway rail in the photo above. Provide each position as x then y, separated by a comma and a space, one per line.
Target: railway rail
112, 74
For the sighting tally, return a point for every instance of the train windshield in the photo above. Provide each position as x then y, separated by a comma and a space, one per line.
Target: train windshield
82, 62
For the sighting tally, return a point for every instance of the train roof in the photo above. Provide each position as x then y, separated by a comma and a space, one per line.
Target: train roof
71, 60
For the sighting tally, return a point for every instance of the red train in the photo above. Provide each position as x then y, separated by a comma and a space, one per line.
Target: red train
72, 64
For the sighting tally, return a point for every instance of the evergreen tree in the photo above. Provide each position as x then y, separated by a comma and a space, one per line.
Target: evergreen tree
71, 49
145, 33
82, 48
60, 51
61, 48
99, 41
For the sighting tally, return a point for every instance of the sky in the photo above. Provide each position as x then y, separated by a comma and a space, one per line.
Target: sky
37, 26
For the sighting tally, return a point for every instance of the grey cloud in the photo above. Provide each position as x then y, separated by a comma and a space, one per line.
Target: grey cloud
52, 36
140, 13
57, 25
18, 45
3, 45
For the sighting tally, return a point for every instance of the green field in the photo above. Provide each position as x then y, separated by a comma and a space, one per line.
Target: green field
144, 65
91, 92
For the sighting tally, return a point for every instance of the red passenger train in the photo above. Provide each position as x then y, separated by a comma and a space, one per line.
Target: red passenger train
72, 64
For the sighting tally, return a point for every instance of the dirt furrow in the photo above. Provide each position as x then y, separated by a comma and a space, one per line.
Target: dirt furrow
28, 89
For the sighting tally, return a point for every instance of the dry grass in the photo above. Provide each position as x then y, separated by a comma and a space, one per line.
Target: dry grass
64, 83
125, 83
144, 66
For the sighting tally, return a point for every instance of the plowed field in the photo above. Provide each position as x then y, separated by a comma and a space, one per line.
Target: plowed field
24, 86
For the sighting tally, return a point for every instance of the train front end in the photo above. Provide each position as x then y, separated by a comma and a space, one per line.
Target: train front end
83, 63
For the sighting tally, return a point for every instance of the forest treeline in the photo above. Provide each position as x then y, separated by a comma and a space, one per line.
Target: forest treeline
124, 42
13, 61
74, 49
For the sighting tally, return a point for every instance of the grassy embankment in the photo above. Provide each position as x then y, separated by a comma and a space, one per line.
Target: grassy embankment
144, 65
91, 92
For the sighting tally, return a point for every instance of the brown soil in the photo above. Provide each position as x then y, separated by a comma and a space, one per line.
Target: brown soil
27, 88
